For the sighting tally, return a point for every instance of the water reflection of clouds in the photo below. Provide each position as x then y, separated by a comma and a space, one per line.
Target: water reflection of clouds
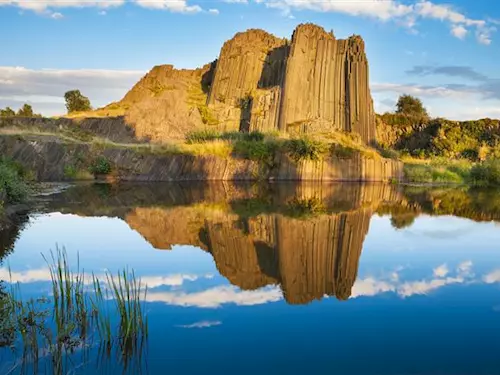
201, 324
371, 286
43, 275
218, 296
492, 277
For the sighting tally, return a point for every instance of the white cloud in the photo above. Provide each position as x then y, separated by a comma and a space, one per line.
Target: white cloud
175, 6
102, 13
202, 324
45, 7
401, 12
424, 91
217, 296
213, 11
47, 86
459, 31
441, 271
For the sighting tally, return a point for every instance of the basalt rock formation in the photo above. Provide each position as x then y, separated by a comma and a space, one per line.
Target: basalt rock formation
313, 83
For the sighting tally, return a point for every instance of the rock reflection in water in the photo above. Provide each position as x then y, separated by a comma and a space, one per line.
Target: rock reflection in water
306, 238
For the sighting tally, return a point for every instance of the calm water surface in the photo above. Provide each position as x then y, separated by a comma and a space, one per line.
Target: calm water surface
284, 279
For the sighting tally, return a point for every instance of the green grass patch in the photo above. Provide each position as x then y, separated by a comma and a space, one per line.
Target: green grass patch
486, 173
305, 149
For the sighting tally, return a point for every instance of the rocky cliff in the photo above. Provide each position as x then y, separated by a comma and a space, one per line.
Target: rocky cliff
313, 83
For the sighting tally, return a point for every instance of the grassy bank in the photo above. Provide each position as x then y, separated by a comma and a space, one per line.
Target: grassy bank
450, 171
264, 146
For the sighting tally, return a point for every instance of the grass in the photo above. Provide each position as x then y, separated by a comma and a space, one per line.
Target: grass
262, 147
305, 149
79, 312
437, 170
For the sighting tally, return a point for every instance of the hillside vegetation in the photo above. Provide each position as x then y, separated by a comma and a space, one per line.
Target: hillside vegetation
440, 150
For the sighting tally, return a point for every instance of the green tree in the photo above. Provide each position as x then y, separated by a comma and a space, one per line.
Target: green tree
25, 111
76, 102
411, 106
7, 112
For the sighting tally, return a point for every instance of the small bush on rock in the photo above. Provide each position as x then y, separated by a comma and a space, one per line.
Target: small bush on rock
100, 165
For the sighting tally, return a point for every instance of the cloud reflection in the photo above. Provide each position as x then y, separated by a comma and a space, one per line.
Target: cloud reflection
43, 275
218, 296
202, 324
371, 286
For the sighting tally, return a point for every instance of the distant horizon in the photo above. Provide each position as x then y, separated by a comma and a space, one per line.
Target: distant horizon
443, 53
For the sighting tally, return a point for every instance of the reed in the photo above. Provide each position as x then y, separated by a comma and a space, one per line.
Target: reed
82, 313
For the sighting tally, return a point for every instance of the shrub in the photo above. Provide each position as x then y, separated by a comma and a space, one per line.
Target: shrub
342, 152
389, 153
305, 149
258, 151
486, 173
13, 181
100, 165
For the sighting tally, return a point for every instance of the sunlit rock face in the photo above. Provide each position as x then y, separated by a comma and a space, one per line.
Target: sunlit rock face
311, 83
314, 83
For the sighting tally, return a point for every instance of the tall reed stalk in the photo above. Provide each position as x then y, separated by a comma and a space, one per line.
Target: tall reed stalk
80, 309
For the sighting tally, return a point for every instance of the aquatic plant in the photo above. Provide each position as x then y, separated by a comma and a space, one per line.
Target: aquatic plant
81, 316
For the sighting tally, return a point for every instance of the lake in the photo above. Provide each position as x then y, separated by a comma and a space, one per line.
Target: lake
279, 278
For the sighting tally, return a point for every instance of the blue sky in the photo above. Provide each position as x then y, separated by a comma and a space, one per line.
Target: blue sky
445, 52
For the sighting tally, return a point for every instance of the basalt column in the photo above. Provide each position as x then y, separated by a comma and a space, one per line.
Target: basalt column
326, 85
249, 66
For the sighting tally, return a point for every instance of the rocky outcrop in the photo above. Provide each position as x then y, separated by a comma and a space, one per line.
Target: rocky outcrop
52, 159
326, 85
314, 84
168, 103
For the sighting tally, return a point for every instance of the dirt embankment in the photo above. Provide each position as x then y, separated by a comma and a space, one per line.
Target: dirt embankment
54, 159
